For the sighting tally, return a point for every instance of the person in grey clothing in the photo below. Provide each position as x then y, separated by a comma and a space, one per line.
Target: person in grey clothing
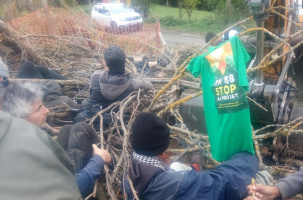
78, 140
107, 87
284, 188
4, 75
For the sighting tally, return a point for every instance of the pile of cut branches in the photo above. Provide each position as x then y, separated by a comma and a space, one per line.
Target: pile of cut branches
77, 56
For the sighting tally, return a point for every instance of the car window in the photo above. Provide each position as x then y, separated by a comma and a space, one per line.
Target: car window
103, 10
117, 9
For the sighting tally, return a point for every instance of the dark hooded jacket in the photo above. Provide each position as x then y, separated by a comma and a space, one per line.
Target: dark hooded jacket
226, 182
33, 165
30, 70
106, 89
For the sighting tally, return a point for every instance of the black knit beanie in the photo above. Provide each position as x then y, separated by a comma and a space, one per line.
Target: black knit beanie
115, 58
150, 135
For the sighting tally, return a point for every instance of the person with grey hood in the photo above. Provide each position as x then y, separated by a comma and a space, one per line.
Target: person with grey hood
107, 87
4, 75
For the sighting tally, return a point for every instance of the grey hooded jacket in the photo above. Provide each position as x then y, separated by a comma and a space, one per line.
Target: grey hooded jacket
33, 165
291, 185
105, 88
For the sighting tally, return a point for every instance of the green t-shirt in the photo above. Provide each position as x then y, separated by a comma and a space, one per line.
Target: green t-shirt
224, 82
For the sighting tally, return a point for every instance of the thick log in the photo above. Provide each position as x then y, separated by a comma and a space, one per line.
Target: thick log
10, 33
81, 84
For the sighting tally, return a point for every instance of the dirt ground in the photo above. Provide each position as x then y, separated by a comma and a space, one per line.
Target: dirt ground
174, 38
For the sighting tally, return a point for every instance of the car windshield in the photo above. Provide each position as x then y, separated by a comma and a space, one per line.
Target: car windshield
117, 9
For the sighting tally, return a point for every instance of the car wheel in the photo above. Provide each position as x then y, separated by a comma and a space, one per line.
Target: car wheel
114, 27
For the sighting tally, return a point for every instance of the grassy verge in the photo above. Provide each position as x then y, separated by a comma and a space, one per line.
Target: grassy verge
200, 22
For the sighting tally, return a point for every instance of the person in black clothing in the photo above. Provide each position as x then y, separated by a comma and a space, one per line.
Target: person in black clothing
152, 178
4, 75
29, 70
107, 87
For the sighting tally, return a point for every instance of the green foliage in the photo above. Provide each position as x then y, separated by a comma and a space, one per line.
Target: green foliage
200, 22
142, 6
59, 3
190, 5
172, 21
239, 10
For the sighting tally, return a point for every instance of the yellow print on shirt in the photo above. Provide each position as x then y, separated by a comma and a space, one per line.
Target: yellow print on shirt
221, 59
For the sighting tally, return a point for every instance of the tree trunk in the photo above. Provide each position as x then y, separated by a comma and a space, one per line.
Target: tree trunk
228, 10
180, 9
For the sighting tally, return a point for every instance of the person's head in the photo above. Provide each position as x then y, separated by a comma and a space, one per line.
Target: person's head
24, 101
209, 36
229, 34
150, 135
115, 58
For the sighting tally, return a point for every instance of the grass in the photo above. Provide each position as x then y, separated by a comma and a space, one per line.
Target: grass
158, 11
86, 8
200, 21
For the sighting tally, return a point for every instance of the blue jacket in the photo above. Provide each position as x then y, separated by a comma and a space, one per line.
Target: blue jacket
227, 181
87, 176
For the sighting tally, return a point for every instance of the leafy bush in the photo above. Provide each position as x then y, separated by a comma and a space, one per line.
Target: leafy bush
172, 21
57, 3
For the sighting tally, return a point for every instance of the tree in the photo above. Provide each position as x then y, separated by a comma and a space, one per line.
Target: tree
142, 6
190, 5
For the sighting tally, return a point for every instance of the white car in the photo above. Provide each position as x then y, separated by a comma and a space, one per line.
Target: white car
116, 15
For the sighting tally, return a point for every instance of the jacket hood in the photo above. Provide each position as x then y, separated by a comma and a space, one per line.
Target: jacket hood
141, 174
113, 86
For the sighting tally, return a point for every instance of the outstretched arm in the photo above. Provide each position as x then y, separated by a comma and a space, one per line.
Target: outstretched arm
88, 175
286, 187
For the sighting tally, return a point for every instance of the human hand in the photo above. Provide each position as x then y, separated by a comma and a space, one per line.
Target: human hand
250, 198
263, 192
103, 153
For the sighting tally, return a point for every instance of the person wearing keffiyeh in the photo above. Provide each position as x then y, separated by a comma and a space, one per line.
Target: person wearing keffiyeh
152, 178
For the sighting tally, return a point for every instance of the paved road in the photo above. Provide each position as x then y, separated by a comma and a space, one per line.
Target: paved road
173, 38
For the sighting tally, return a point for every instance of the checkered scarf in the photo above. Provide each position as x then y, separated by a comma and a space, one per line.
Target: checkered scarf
152, 160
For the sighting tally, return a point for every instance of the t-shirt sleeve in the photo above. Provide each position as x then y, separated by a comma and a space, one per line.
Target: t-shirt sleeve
241, 58
194, 66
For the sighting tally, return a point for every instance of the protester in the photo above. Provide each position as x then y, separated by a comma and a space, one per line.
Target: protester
226, 36
107, 87
152, 178
4, 75
29, 70
25, 101
284, 188
33, 165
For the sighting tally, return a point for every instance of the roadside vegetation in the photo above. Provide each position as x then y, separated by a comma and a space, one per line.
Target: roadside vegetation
201, 21
196, 16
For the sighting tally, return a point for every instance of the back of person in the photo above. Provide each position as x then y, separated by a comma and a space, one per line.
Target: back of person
31, 71
33, 165
226, 182
107, 87
153, 179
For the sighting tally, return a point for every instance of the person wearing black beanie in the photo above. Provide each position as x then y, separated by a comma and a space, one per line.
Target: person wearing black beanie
155, 139
152, 178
